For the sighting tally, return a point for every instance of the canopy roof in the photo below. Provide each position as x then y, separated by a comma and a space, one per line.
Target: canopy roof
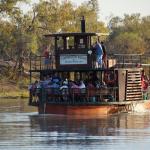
70, 34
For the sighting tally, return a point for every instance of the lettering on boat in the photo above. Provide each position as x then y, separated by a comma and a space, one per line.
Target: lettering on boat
70, 59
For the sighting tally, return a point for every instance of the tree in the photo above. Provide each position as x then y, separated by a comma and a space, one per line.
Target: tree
129, 34
22, 34
93, 5
8, 7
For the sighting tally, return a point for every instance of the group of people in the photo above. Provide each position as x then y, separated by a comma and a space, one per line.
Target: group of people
98, 49
101, 57
56, 85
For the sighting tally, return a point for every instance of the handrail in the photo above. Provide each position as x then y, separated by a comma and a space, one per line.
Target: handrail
75, 95
122, 60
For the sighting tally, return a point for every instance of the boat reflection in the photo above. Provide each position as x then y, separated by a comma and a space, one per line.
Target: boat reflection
100, 126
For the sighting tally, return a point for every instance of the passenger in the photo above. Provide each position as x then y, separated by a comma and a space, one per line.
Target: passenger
144, 86
93, 78
56, 78
75, 91
55, 87
55, 84
46, 58
82, 87
74, 85
49, 78
144, 83
99, 54
64, 90
38, 91
91, 92
104, 58
110, 79
64, 85
98, 84
33, 90
143, 75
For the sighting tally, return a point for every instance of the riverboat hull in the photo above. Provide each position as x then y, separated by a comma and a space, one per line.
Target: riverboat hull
95, 109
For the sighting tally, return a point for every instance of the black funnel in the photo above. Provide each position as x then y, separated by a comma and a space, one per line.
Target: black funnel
82, 24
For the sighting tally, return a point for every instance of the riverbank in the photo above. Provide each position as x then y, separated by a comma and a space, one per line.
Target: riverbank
13, 90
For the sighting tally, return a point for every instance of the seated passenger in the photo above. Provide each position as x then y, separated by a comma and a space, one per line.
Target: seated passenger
91, 92
64, 90
93, 78
82, 87
75, 88
110, 79
56, 78
64, 85
54, 86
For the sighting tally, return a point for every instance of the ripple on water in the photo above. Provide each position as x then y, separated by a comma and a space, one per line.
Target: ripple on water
30, 131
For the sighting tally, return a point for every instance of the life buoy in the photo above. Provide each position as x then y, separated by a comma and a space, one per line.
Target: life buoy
108, 79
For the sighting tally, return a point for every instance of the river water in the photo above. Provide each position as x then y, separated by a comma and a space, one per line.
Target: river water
22, 128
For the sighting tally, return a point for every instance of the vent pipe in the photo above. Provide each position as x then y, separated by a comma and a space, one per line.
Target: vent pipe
82, 24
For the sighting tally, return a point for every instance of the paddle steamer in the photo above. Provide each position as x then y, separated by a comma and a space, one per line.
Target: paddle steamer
115, 88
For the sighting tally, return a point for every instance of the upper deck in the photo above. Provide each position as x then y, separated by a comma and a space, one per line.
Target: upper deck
75, 52
75, 62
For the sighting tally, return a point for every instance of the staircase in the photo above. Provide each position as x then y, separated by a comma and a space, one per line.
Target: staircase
133, 85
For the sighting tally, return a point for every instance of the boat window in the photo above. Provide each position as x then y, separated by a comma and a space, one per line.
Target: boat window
60, 43
81, 42
70, 42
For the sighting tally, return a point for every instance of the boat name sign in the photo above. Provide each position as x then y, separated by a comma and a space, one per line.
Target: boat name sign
73, 59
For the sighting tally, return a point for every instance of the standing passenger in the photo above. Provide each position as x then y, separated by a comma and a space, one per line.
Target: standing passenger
99, 54
46, 58
104, 58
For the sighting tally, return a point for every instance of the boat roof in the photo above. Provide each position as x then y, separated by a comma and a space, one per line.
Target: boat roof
71, 34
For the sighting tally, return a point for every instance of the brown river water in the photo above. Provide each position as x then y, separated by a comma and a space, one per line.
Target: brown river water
22, 128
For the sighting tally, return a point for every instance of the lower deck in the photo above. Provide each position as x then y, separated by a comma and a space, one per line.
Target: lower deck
90, 108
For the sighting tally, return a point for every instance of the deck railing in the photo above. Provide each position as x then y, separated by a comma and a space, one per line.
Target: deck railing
74, 95
38, 63
119, 60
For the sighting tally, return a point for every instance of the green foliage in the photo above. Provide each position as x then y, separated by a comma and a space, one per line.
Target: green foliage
130, 34
8, 7
128, 42
21, 33
33, 45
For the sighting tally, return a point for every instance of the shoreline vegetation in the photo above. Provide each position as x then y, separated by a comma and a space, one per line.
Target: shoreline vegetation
22, 36
9, 90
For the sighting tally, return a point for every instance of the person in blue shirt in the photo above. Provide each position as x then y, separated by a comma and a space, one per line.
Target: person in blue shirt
99, 54
56, 78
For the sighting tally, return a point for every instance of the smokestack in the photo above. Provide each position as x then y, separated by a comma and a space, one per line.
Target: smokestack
82, 24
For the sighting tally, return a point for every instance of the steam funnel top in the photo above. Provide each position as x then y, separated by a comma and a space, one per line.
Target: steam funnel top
82, 24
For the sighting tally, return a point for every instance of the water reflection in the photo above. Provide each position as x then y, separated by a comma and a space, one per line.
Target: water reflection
30, 131
15, 105
102, 126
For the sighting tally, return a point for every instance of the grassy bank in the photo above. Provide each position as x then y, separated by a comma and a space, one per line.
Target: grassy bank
12, 89
14, 94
